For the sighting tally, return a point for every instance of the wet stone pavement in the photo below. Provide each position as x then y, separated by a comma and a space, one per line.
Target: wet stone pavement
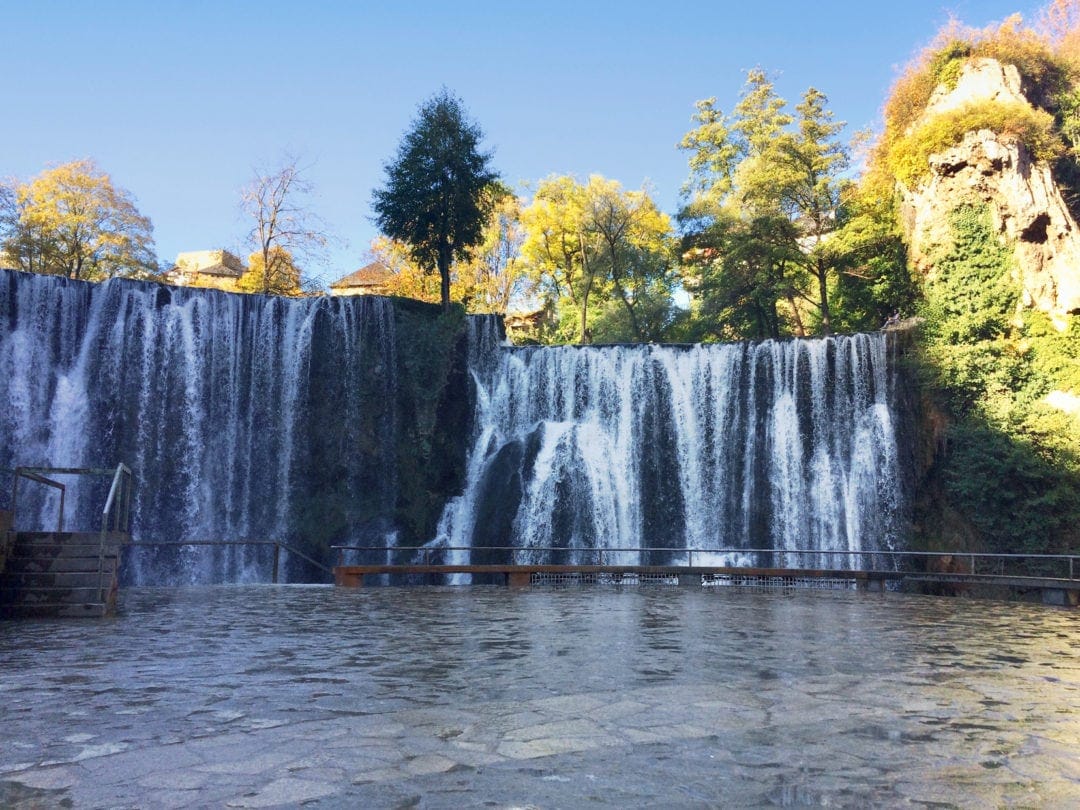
263, 696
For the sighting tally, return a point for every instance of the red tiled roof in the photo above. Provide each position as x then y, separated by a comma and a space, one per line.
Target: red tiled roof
370, 275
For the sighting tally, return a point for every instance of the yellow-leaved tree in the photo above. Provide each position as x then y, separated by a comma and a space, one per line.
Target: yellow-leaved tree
601, 256
280, 276
72, 221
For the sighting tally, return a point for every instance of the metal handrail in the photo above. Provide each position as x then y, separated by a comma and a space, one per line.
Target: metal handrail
279, 546
972, 557
119, 497
121, 483
35, 474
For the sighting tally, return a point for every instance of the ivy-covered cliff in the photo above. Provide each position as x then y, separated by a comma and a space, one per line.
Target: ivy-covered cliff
981, 146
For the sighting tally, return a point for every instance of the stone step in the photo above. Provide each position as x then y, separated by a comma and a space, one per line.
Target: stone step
87, 610
38, 564
53, 552
50, 538
50, 596
53, 579
56, 574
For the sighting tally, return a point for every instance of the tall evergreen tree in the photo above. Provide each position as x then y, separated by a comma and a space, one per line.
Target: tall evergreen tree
434, 198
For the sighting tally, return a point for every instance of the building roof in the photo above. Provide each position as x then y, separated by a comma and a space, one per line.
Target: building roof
220, 270
370, 275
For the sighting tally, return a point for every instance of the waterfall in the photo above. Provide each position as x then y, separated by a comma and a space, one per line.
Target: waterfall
782, 445
248, 417
327, 421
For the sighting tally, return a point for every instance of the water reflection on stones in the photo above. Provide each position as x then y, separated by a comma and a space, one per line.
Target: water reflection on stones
443, 697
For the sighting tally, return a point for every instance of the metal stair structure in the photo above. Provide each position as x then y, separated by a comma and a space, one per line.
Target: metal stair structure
63, 573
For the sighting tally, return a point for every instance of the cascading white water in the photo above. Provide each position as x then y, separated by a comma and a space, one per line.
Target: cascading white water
268, 418
775, 445
214, 399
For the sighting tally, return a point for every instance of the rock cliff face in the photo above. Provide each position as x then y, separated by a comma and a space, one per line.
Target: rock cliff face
1025, 203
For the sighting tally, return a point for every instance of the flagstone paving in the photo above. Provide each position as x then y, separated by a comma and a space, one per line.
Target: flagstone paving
953, 710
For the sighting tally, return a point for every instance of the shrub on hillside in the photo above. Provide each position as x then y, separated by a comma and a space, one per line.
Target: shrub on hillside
909, 157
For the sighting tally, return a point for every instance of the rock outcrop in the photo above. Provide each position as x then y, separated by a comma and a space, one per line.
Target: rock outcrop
1026, 205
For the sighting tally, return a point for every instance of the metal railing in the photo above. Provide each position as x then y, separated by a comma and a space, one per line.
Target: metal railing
115, 516
120, 517
278, 545
960, 563
34, 475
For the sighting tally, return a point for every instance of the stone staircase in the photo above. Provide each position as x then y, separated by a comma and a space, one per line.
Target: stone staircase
50, 574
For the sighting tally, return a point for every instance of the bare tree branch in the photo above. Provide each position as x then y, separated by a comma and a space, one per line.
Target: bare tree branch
274, 201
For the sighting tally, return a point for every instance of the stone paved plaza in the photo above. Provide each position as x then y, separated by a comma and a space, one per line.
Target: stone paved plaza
591, 696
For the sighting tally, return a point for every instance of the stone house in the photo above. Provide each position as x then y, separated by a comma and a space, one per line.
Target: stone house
371, 279
219, 269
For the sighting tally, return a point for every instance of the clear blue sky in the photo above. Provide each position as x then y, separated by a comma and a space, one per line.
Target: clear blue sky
178, 101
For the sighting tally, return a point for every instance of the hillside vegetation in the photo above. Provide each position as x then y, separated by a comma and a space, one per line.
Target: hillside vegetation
1001, 379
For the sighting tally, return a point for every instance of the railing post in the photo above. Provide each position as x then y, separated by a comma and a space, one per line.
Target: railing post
127, 506
277, 556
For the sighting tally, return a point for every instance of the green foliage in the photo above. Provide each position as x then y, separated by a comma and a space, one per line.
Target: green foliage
909, 157
873, 282
762, 168
1067, 166
592, 249
970, 294
1019, 497
739, 271
434, 199
947, 64
1012, 466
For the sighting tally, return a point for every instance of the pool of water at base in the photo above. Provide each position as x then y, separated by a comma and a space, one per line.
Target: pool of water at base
692, 697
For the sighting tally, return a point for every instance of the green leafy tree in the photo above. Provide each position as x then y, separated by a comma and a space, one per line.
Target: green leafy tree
872, 282
734, 160
434, 198
596, 243
756, 168
740, 188
739, 270
72, 221
812, 161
